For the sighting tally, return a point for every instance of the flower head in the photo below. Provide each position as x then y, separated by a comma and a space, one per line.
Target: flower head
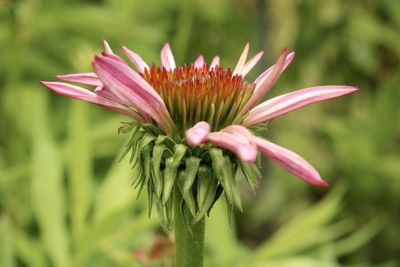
192, 124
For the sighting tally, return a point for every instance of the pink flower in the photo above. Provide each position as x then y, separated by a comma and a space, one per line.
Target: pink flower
200, 104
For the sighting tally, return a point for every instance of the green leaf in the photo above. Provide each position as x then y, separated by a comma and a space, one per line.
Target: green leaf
48, 191
80, 162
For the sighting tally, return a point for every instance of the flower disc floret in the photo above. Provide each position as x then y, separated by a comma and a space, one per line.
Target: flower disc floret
194, 94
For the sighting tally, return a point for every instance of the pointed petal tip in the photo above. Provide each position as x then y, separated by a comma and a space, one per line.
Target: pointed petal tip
107, 47
323, 183
44, 83
167, 57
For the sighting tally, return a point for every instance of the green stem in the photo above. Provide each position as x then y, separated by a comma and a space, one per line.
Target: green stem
189, 242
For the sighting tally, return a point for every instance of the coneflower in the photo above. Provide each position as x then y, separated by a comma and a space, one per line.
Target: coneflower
192, 130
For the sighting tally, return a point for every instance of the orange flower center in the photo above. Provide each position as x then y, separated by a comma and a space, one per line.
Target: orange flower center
200, 94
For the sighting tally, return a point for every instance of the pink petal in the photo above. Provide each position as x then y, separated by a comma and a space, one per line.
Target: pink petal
214, 62
283, 104
107, 47
136, 59
290, 161
89, 78
289, 59
242, 60
113, 57
266, 84
102, 91
251, 63
198, 133
129, 86
199, 62
242, 132
167, 58
76, 92
236, 141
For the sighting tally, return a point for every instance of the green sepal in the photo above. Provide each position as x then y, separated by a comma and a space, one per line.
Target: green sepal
150, 197
145, 166
158, 152
188, 197
171, 168
126, 127
187, 216
222, 167
204, 180
192, 166
169, 208
252, 174
130, 144
146, 140
135, 148
229, 208
162, 216
218, 194
151, 128
231, 182
206, 192
220, 170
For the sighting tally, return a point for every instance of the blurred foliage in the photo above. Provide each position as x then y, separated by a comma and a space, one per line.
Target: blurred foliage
65, 201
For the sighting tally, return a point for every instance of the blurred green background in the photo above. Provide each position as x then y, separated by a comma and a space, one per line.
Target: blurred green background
66, 201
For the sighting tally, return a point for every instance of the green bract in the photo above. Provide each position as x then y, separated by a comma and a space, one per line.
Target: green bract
201, 174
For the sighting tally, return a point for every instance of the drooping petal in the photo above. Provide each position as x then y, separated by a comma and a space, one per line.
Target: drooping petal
239, 130
136, 59
289, 59
290, 161
251, 63
167, 57
129, 86
88, 78
198, 133
237, 142
214, 62
102, 91
265, 85
242, 60
76, 92
199, 62
283, 104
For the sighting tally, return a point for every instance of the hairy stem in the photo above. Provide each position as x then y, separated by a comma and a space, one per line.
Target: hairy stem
189, 240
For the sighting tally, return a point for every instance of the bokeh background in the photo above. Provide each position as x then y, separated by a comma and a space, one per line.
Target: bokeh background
66, 201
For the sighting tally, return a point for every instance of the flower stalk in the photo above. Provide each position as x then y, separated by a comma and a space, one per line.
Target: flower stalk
189, 241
